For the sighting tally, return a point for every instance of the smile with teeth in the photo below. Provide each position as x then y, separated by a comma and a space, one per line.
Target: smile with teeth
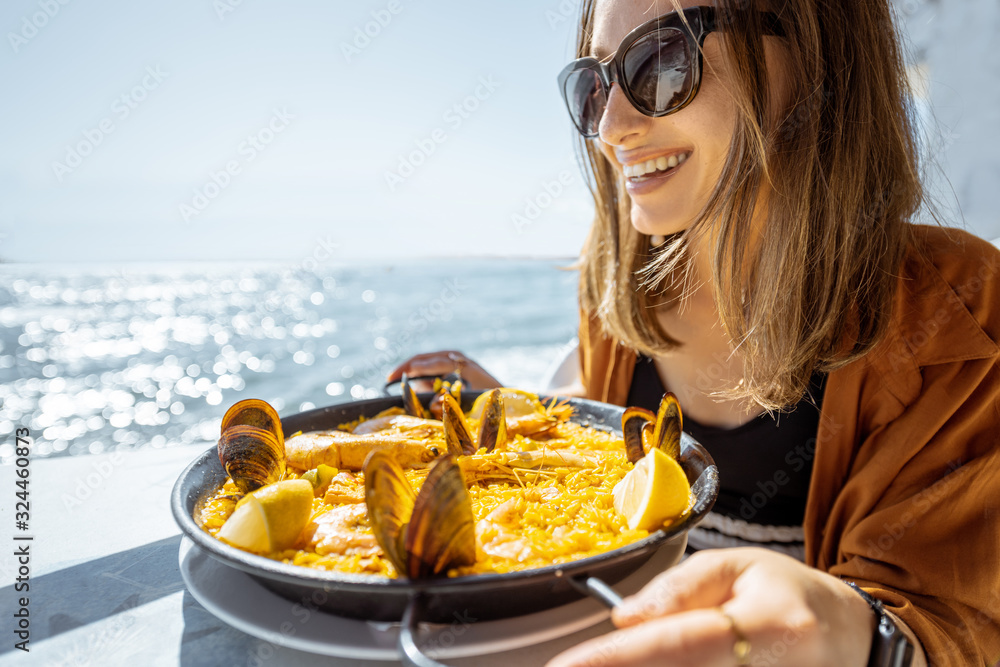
655, 167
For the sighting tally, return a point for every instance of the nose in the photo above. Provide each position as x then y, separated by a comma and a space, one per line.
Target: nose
621, 122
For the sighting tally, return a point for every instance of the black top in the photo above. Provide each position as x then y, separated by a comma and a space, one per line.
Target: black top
764, 465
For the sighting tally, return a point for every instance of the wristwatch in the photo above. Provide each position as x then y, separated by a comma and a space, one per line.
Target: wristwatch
890, 646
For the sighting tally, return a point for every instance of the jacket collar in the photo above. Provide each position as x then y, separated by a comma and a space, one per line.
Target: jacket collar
931, 325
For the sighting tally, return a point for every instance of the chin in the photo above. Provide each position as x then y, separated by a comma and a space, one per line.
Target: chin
662, 225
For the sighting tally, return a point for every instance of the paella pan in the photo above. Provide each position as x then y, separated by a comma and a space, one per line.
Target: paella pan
488, 595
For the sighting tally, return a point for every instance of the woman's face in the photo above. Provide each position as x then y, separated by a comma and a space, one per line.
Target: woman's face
698, 136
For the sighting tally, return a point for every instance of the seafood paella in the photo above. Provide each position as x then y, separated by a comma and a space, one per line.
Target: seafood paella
511, 484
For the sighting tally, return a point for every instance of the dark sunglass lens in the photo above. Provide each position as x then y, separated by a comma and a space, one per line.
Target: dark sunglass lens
657, 70
585, 99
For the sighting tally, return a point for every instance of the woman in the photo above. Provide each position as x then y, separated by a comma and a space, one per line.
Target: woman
752, 252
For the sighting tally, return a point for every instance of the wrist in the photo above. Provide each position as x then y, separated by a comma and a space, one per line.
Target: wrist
890, 645
859, 623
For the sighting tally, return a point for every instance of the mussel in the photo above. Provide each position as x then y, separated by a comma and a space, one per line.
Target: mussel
456, 430
389, 498
435, 409
493, 424
422, 534
252, 445
254, 412
525, 414
411, 402
634, 422
643, 431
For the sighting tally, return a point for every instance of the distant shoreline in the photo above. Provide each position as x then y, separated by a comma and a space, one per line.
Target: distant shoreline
270, 264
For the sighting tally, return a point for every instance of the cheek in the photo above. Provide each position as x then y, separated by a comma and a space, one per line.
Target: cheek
609, 153
710, 121
713, 108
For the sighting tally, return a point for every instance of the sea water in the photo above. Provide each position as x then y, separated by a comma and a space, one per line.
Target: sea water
99, 359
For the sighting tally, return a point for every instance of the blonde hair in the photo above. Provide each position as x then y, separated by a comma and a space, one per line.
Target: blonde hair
814, 291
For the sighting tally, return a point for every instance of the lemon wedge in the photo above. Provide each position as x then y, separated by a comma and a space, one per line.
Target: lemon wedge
270, 518
516, 403
653, 492
246, 528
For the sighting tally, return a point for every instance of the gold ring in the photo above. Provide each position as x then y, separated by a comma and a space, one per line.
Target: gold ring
741, 649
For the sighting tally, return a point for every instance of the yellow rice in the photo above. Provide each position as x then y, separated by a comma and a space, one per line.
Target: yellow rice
575, 521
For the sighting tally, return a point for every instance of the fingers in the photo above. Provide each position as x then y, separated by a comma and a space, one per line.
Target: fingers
703, 637
430, 363
444, 363
729, 607
704, 580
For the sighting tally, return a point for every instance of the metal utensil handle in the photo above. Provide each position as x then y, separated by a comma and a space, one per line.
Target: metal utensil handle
597, 589
409, 652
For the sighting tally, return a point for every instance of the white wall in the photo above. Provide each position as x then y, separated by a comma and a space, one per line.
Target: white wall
950, 48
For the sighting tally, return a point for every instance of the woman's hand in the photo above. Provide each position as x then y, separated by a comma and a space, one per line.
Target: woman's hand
697, 612
443, 363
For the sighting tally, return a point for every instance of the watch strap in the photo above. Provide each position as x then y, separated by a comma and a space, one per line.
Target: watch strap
890, 646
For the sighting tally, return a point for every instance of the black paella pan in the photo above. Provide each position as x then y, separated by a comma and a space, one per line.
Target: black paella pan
483, 596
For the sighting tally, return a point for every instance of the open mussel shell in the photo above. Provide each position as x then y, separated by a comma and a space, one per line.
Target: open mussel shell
456, 429
411, 403
252, 456
441, 533
634, 421
669, 421
493, 425
389, 498
254, 412
643, 431
421, 534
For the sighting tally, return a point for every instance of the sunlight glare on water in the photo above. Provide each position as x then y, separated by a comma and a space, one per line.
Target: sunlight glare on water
96, 360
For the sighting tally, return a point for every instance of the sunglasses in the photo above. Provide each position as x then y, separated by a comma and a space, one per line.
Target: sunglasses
657, 65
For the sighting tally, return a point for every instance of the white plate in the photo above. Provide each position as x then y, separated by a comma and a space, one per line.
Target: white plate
236, 598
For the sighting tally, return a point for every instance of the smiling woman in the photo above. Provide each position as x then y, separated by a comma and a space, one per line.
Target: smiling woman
747, 185
755, 178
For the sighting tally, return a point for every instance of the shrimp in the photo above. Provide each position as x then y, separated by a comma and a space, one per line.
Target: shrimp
405, 424
344, 489
504, 464
343, 530
347, 451
541, 422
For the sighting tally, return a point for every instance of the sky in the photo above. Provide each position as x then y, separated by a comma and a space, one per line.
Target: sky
228, 129
369, 129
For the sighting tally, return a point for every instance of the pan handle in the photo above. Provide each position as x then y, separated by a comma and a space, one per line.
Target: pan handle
596, 589
409, 652
593, 587
411, 656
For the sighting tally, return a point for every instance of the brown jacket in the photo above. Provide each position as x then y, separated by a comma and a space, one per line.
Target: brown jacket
905, 490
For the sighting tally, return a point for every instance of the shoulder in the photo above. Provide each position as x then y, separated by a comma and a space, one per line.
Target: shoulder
945, 313
947, 303
905, 432
967, 264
